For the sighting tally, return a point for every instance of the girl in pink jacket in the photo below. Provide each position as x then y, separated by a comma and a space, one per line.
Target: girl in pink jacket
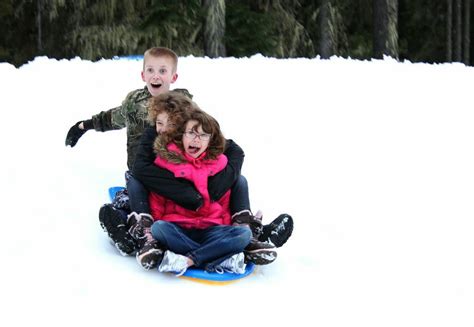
193, 150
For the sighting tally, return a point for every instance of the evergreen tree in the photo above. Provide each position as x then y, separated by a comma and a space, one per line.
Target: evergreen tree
467, 31
326, 45
214, 28
292, 38
385, 28
355, 28
449, 31
106, 28
176, 24
250, 29
6, 24
333, 40
420, 31
457, 30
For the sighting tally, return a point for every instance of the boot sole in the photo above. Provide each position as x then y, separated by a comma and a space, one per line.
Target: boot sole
150, 264
260, 258
116, 230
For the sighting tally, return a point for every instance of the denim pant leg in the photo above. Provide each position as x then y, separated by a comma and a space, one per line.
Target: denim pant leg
239, 195
219, 243
173, 237
138, 195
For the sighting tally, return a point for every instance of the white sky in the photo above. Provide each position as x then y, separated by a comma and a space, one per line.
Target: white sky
374, 161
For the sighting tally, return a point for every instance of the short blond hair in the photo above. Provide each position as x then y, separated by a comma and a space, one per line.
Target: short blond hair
161, 52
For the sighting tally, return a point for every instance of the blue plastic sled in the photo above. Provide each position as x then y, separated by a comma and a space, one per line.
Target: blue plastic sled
200, 275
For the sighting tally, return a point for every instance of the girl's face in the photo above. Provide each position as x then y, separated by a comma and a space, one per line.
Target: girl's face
195, 140
162, 123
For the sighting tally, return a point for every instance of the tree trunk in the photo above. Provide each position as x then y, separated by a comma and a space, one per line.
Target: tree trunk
214, 28
467, 28
458, 30
385, 28
380, 25
449, 31
39, 6
326, 42
392, 29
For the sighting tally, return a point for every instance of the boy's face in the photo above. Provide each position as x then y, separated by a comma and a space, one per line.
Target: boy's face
162, 123
158, 74
195, 140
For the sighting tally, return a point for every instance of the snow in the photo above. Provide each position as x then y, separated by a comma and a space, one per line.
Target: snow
373, 159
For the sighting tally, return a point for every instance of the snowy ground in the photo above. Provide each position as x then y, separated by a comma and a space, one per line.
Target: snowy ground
374, 160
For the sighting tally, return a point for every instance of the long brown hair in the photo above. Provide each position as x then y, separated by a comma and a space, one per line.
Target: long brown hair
173, 103
209, 125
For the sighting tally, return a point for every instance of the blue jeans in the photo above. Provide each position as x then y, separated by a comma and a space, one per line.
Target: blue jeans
206, 247
239, 195
138, 195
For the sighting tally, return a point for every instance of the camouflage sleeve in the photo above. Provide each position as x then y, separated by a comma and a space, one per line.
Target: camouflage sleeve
113, 118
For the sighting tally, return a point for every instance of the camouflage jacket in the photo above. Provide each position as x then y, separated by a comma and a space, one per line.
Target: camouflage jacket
132, 115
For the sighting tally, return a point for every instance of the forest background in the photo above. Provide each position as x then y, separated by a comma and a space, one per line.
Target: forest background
418, 31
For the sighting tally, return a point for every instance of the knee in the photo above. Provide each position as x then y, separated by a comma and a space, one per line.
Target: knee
158, 230
244, 235
242, 181
134, 184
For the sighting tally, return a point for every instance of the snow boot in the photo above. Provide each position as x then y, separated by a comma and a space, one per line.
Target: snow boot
278, 231
121, 200
260, 253
139, 225
113, 222
150, 255
245, 217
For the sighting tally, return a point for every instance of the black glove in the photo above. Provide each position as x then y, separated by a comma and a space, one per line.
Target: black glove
75, 132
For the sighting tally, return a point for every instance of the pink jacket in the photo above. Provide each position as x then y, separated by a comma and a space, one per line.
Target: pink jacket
197, 171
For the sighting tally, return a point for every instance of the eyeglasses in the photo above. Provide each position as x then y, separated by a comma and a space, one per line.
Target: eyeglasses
192, 135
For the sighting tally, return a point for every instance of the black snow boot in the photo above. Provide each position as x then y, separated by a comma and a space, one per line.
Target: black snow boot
113, 222
278, 231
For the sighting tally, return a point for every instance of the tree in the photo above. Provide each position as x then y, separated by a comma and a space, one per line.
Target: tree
457, 30
307, 14
250, 29
176, 24
39, 4
458, 11
385, 28
449, 31
273, 28
49, 9
214, 28
420, 31
354, 28
293, 38
467, 29
98, 29
333, 37
326, 43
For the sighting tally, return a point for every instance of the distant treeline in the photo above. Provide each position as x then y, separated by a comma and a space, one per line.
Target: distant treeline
419, 31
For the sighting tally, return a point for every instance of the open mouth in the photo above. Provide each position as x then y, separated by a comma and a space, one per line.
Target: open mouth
193, 149
156, 85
